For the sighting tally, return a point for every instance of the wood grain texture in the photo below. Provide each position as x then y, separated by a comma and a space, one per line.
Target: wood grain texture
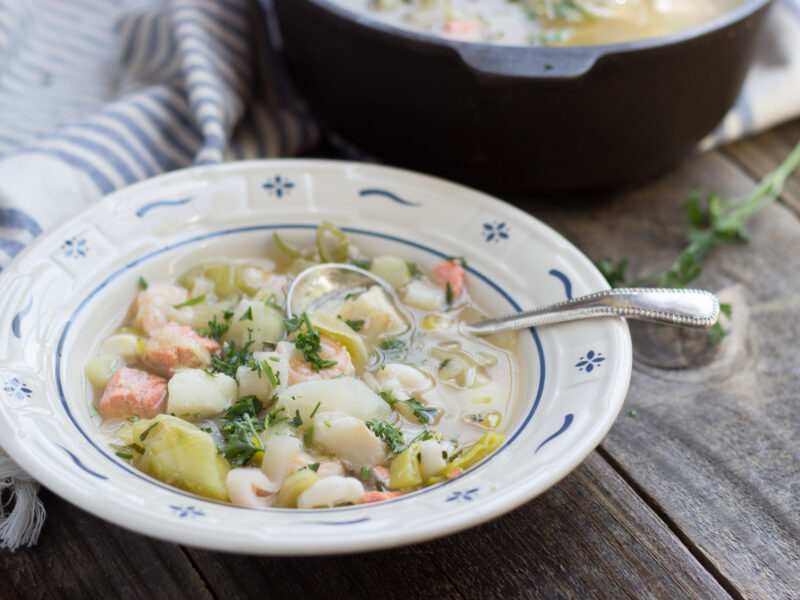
80, 556
716, 448
588, 537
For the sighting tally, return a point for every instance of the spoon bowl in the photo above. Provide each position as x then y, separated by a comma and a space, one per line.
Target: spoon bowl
690, 308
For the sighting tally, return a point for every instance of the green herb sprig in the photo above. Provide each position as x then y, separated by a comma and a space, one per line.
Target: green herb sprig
712, 221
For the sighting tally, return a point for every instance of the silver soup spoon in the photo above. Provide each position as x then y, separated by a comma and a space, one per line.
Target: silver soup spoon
683, 307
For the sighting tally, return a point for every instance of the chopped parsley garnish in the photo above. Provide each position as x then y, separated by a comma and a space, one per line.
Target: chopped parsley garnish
274, 419
362, 263
146, 432
216, 329
274, 378
355, 325
124, 455
423, 413
142, 283
393, 345
316, 408
457, 260
309, 344
190, 302
297, 421
314, 467
423, 435
448, 294
364, 473
272, 304
248, 314
246, 405
241, 441
390, 436
231, 358
308, 438
414, 270
294, 323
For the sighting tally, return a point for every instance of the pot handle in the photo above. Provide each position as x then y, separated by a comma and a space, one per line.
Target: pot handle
538, 63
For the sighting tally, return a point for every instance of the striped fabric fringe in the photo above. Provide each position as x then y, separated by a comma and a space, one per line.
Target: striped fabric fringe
99, 94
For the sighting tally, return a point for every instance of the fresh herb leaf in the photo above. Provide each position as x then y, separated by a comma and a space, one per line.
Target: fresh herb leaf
241, 441
142, 283
712, 221
458, 260
246, 405
274, 378
215, 329
308, 438
190, 302
124, 455
355, 325
393, 344
294, 323
248, 314
274, 419
423, 413
448, 294
146, 432
314, 467
297, 421
716, 332
391, 436
362, 263
313, 412
415, 271
364, 473
423, 435
231, 358
309, 344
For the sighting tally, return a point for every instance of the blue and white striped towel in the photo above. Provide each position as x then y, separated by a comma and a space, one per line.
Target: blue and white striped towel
97, 94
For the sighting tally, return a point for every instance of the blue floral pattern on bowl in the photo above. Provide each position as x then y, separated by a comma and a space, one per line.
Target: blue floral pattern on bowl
591, 361
495, 231
187, 511
75, 247
279, 186
15, 389
463, 495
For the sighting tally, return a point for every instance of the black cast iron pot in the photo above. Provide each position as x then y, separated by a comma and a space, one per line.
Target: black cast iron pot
517, 120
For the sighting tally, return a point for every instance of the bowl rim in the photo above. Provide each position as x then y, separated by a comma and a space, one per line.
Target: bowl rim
200, 537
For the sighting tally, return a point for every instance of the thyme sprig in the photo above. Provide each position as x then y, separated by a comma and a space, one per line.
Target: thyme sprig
711, 221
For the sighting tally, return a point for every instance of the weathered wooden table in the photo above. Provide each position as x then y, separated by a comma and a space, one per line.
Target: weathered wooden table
694, 493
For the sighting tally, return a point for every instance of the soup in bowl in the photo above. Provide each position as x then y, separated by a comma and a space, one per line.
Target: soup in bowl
173, 271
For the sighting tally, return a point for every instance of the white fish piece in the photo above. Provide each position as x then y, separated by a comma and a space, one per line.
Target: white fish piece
348, 438
200, 394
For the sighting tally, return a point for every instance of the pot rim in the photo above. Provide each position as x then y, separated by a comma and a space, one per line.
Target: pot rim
541, 62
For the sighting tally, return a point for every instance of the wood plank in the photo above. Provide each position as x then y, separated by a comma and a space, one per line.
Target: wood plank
761, 153
588, 537
80, 556
715, 447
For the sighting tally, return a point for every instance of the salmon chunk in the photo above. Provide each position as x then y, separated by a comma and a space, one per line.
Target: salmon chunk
176, 347
134, 393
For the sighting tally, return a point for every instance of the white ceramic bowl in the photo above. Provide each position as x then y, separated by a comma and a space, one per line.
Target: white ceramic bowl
73, 285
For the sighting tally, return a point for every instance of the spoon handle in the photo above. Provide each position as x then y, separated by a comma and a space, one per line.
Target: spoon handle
683, 307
